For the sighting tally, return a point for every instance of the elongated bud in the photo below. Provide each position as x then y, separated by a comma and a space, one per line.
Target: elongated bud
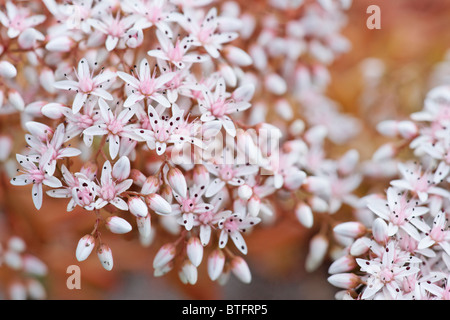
194, 250
407, 129
118, 225
284, 109
388, 128
166, 193
318, 185
177, 181
318, 247
47, 79
39, 130
254, 206
317, 204
144, 225
16, 100
104, 254
13, 260
17, 291
344, 280
304, 214
380, 230
343, 264
16, 244
241, 270
359, 247
36, 290
216, 262
6, 145
201, 176
85, 247
28, 38
228, 74
348, 162
60, 44
138, 177
137, 207
275, 84
352, 229
188, 273
245, 192
7, 69
385, 152
150, 185
165, 254
237, 56
163, 270
158, 204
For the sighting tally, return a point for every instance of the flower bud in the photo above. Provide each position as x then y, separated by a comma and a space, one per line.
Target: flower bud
201, 176
60, 44
118, 225
177, 181
387, 128
34, 266
304, 214
188, 273
344, 280
17, 291
6, 145
158, 204
318, 247
385, 152
241, 270
165, 254
343, 264
47, 79
7, 69
13, 260
104, 254
228, 74
150, 185
216, 262
36, 290
275, 84
254, 206
194, 250
16, 244
53, 110
144, 225
137, 207
359, 247
407, 129
28, 38
237, 56
121, 169
138, 177
85, 247
352, 229
380, 230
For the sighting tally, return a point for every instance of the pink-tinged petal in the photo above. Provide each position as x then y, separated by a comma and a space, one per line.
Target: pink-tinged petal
36, 193
39, 130
194, 251
69, 152
411, 230
59, 193
52, 182
177, 181
344, 280
22, 180
118, 225
158, 204
96, 130
371, 289
216, 262
137, 207
83, 69
239, 241
223, 239
66, 85
106, 177
128, 79
229, 126
378, 206
164, 41
158, 54
187, 220
122, 169
162, 100
214, 187
240, 269
124, 186
164, 255
102, 94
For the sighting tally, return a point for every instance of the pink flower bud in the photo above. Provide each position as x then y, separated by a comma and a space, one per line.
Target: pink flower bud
188, 273
39, 130
144, 225
241, 270
407, 129
385, 152
344, 280
201, 176
216, 262
380, 230
244, 93
177, 181
343, 264
359, 247
7, 69
387, 128
275, 84
60, 44
16, 100
118, 225
164, 255
47, 79
228, 74
85, 247
158, 204
17, 291
166, 193
28, 38
352, 229
36, 290
254, 206
237, 56
34, 265
194, 250
138, 177
150, 185
304, 214
137, 207
104, 254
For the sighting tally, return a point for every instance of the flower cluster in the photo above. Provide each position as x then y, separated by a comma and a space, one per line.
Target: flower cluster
189, 119
401, 249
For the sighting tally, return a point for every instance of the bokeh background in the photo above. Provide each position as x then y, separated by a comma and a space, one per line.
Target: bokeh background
405, 57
